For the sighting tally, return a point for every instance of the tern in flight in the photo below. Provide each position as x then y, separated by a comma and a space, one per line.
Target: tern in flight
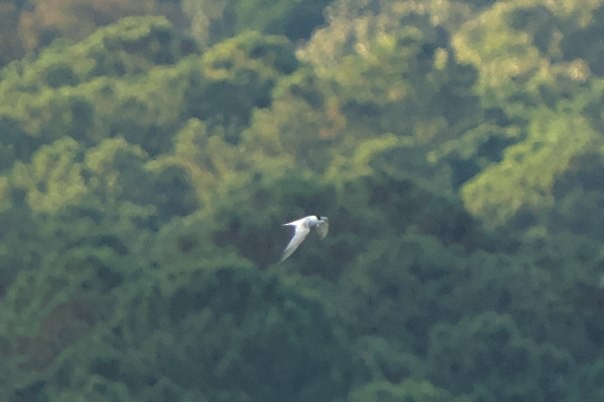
301, 229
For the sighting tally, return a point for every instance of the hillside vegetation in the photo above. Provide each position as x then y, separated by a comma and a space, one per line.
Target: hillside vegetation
150, 152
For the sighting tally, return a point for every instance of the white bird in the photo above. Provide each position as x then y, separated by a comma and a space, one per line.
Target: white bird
302, 227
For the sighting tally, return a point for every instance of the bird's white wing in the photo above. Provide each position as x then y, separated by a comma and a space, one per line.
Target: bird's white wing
294, 243
322, 229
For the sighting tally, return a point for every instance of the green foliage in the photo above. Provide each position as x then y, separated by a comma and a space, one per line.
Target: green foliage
41, 22
239, 73
489, 349
241, 314
295, 20
131, 46
410, 390
545, 154
212, 21
145, 177
577, 43
12, 45
142, 96
417, 88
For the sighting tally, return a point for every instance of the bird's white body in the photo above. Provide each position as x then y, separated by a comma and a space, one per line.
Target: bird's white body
302, 228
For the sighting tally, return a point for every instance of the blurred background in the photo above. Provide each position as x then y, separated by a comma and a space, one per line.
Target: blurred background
151, 150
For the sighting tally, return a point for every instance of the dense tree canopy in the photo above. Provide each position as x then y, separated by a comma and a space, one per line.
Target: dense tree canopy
151, 151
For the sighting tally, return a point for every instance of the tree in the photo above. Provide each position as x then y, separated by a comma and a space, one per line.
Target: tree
533, 166
489, 350
45, 21
12, 45
212, 21
412, 391
249, 321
